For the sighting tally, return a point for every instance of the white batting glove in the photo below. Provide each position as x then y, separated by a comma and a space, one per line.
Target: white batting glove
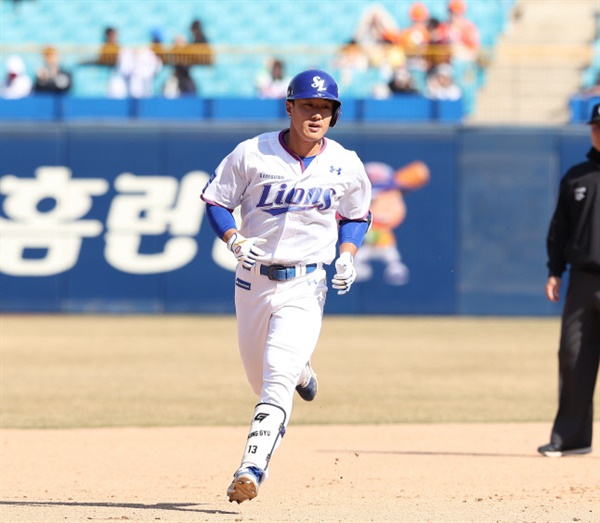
345, 273
245, 249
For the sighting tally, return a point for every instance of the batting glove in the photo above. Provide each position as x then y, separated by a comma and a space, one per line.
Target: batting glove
245, 249
345, 273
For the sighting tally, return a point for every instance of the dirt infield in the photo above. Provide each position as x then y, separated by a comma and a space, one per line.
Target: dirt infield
347, 474
417, 420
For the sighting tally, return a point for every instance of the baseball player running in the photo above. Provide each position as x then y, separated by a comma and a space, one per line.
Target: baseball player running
300, 196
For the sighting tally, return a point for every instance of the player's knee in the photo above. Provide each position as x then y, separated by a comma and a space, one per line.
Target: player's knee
256, 386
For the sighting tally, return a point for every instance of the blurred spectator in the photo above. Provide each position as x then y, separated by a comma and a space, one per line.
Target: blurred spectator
198, 36
414, 39
592, 90
272, 81
390, 47
197, 52
461, 33
402, 82
51, 77
184, 83
157, 38
438, 50
182, 56
351, 59
441, 84
375, 26
463, 40
16, 82
200, 48
136, 70
180, 82
109, 51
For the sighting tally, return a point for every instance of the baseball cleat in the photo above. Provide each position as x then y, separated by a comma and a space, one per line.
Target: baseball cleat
244, 485
552, 450
308, 388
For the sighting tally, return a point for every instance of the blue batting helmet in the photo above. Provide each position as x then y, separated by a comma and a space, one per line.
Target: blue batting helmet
315, 83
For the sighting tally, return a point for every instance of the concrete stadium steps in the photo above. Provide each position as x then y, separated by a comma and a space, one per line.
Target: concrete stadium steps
538, 63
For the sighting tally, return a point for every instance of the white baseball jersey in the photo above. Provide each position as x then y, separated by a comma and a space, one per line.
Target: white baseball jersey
294, 209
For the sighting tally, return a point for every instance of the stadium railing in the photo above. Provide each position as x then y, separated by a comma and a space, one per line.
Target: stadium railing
581, 108
414, 108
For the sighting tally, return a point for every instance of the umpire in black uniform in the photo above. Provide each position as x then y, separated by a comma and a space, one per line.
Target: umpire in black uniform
574, 240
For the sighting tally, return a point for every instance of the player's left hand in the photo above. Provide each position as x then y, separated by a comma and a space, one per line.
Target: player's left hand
345, 273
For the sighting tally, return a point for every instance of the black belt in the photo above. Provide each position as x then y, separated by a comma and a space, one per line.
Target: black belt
283, 272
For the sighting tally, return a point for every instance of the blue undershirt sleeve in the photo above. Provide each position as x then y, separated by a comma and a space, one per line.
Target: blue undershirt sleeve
353, 231
220, 219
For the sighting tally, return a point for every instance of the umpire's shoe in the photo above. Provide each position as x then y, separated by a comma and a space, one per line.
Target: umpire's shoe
552, 450
308, 388
245, 484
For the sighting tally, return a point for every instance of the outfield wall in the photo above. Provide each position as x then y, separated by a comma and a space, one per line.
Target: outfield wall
106, 217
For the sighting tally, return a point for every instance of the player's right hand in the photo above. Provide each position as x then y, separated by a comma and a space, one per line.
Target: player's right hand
246, 249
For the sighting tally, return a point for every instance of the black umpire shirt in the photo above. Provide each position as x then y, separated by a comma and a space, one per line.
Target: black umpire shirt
574, 233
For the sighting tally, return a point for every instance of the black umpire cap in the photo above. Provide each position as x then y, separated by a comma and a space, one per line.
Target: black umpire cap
595, 116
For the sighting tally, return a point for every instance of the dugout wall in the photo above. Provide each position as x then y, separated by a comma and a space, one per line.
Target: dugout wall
106, 217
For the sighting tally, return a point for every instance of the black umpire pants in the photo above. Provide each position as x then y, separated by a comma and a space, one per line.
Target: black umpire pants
578, 359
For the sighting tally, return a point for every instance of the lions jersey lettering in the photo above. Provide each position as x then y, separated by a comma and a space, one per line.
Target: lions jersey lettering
279, 199
296, 199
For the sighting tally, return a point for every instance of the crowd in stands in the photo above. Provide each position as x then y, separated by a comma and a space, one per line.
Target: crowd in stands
133, 69
418, 59
49, 78
439, 58
426, 57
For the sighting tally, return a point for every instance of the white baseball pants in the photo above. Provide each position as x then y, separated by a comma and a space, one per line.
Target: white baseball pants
279, 323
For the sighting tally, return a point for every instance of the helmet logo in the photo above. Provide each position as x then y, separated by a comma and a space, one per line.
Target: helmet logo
319, 83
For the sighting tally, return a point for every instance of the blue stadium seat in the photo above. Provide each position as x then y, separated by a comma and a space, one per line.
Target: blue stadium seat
90, 81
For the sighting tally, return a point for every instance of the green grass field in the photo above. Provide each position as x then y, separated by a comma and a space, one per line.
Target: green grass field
112, 371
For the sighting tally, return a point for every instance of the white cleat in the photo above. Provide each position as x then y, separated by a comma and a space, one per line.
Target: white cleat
244, 485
